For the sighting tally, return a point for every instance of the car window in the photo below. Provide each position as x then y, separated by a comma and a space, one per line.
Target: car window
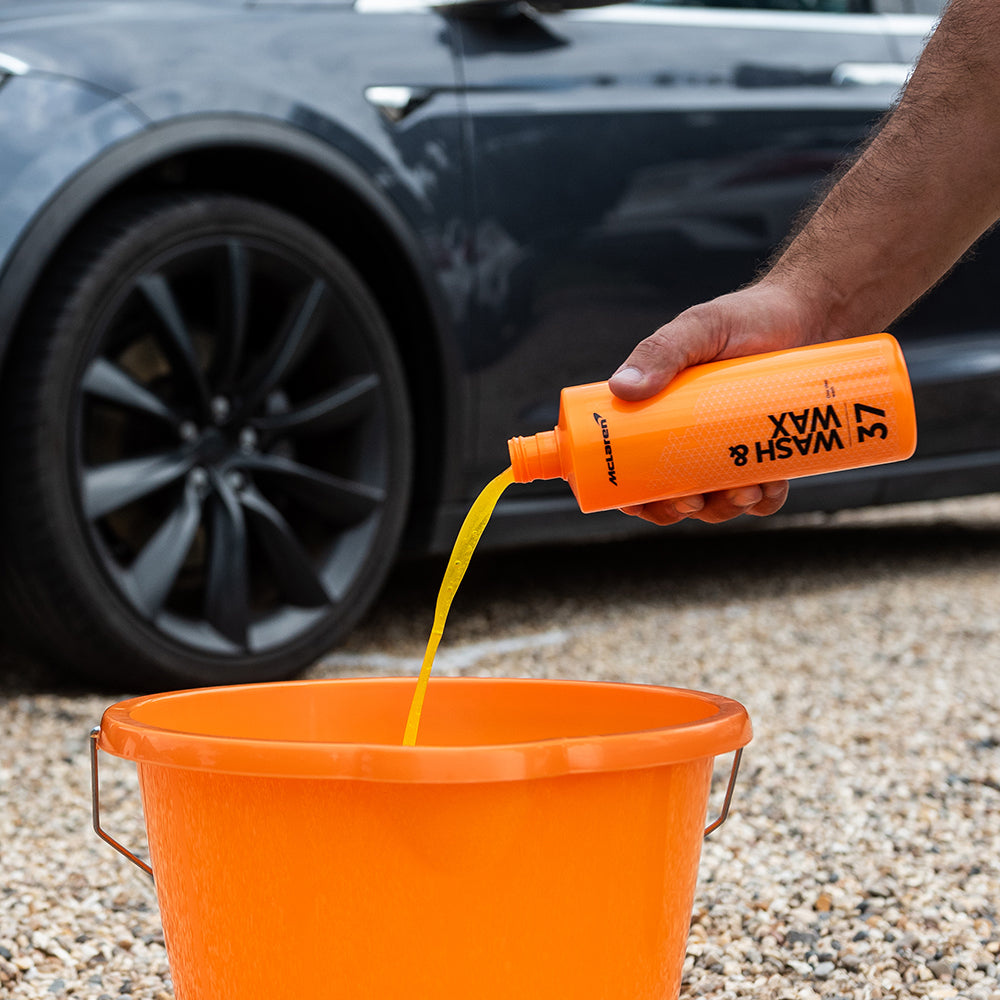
926, 7
822, 6
930, 8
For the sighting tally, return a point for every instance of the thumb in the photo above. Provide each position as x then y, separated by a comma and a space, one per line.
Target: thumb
690, 339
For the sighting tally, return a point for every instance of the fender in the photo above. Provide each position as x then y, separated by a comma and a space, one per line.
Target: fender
106, 172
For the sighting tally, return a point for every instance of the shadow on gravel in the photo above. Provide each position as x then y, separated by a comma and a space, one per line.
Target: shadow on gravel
22, 674
685, 568
522, 588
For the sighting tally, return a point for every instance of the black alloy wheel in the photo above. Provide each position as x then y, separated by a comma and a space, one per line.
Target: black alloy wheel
213, 455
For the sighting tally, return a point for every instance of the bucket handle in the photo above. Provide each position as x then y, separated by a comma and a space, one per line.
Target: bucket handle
95, 798
95, 789
729, 794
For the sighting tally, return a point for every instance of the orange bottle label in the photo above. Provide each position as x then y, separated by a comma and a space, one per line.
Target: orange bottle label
813, 409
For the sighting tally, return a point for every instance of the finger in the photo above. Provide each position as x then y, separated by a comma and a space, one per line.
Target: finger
666, 512
759, 501
726, 505
775, 495
714, 508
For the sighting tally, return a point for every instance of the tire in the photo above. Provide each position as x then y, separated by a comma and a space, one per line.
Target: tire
208, 449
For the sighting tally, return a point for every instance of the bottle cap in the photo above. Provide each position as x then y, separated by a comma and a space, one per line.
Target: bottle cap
535, 457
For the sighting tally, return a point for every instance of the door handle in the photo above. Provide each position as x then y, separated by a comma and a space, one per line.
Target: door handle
396, 102
851, 74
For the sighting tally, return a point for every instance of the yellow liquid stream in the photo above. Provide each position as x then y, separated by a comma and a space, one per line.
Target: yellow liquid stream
465, 544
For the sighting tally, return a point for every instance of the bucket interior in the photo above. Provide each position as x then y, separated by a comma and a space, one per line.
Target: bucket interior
375, 713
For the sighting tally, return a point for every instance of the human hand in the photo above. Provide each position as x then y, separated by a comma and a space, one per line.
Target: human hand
764, 317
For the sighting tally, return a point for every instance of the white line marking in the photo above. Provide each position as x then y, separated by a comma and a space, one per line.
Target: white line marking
449, 661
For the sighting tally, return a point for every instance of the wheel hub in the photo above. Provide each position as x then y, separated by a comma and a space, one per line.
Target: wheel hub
214, 448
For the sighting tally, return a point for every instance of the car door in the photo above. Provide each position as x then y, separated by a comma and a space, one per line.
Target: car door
631, 160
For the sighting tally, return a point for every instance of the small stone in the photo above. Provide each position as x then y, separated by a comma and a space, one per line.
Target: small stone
824, 969
941, 968
802, 937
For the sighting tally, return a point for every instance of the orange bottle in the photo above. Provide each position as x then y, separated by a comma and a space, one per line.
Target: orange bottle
820, 408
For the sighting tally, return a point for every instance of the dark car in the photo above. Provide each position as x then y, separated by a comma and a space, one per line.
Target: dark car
278, 280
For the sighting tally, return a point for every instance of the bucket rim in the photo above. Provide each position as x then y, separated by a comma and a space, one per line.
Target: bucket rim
724, 729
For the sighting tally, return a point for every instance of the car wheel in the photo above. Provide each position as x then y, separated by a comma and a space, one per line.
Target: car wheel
208, 455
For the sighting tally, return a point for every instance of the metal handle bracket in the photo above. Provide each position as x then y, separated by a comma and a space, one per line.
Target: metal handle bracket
95, 789
729, 794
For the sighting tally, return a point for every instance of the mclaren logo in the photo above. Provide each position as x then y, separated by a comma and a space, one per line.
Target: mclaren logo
609, 457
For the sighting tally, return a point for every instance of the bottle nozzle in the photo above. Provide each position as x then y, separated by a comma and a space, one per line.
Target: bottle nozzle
535, 457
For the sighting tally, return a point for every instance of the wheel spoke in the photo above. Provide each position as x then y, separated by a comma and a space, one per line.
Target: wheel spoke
179, 344
338, 500
227, 595
110, 487
296, 336
290, 565
241, 466
338, 408
111, 383
155, 569
238, 303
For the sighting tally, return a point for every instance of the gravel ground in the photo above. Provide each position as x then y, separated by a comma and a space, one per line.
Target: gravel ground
862, 857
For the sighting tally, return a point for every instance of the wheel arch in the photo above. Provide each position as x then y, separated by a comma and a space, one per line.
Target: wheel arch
309, 179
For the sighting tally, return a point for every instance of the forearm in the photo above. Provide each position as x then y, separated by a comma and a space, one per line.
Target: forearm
923, 191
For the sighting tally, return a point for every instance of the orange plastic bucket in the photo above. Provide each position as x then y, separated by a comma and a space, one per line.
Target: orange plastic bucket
541, 841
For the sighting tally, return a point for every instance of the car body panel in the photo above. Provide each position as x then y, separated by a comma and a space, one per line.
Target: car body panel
561, 184
58, 127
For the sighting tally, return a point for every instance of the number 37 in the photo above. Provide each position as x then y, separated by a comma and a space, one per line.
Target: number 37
878, 430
